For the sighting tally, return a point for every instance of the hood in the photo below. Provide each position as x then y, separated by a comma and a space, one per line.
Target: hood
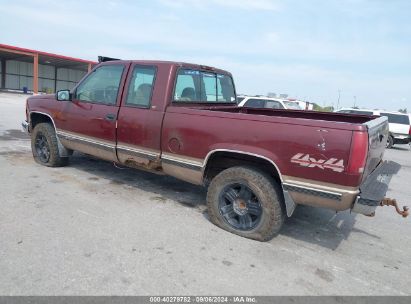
42, 96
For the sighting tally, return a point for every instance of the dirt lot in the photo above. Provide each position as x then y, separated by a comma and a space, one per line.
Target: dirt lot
93, 229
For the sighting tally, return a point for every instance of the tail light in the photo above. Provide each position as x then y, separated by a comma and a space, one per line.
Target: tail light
409, 132
358, 153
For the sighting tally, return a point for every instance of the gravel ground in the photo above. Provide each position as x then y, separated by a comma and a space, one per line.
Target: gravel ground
93, 229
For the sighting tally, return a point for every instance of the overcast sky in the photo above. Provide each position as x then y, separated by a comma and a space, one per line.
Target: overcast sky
308, 49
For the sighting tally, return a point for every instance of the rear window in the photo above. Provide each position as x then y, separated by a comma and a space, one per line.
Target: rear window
361, 112
356, 112
206, 87
397, 118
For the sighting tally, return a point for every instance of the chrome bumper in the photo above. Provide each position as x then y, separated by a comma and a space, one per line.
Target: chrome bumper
25, 126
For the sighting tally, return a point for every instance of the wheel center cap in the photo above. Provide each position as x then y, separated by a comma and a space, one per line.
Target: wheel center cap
240, 206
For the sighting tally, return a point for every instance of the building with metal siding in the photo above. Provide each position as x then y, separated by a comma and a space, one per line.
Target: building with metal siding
36, 71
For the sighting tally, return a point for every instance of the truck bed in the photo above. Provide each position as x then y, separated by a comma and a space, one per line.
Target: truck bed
278, 135
314, 115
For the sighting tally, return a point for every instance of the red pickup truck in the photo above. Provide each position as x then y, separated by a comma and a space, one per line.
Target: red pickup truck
181, 119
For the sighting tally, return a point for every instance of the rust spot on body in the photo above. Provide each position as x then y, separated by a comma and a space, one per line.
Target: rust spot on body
150, 165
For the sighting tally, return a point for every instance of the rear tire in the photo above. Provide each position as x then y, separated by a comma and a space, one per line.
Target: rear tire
390, 142
246, 202
44, 146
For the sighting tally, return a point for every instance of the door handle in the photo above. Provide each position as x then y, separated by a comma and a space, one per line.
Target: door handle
110, 117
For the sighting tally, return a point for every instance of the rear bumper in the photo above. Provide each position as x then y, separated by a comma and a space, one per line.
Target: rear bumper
401, 138
363, 199
374, 188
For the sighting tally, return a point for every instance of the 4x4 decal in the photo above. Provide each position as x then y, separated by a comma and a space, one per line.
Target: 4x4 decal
306, 161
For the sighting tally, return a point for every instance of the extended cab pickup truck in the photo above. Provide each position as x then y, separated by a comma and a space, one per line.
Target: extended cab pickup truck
181, 119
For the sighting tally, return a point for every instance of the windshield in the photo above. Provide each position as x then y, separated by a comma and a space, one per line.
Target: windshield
292, 105
205, 87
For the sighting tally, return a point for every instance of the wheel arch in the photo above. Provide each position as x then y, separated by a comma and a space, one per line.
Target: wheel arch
216, 161
220, 159
40, 117
37, 117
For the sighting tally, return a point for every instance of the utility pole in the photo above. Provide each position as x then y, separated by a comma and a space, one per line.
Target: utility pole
355, 101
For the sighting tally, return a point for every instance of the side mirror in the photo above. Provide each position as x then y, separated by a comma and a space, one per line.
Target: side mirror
63, 95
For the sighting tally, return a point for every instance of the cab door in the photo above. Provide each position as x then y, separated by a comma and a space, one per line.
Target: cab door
87, 123
140, 119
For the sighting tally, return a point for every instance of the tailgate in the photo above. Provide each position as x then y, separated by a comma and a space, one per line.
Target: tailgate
377, 139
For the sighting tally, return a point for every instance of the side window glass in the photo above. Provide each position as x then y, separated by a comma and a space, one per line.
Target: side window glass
102, 85
225, 88
272, 104
141, 86
187, 87
255, 103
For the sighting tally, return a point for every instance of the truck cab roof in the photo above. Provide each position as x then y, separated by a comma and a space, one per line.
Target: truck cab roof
169, 64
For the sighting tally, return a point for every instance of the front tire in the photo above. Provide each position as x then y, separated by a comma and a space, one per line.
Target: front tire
390, 142
246, 202
44, 146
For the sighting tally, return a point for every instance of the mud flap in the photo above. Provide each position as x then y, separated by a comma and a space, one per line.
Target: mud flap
374, 188
290, 205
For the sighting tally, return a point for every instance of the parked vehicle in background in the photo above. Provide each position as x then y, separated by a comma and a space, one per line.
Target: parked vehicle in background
182, 120
399, 124
305, 105
267, 103
240, 98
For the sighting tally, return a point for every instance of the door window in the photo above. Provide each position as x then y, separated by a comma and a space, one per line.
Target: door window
141, 87
102, 85
255, 103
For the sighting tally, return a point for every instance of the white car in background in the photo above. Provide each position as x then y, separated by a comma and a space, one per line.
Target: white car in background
399, 124
266, 103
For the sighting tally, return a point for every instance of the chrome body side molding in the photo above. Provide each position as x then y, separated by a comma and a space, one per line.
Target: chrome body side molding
134, 151
312, 191
77, 138
182, 162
